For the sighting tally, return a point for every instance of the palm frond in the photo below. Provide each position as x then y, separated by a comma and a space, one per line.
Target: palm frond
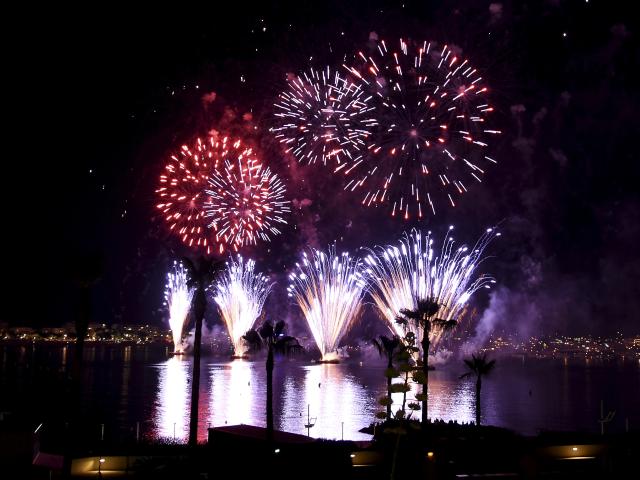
386, 346
444, 325
211, 267
478, 365
266, 330
377, 346
488, 367
390, 343
254, 340
279, 328
410, 314
191, 271
428, 307
203, 272
287, 346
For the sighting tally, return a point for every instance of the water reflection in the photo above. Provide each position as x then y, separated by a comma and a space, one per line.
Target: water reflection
450, 399
64, 356
236, 394
171, 417
340, 399
335, 399
344, 397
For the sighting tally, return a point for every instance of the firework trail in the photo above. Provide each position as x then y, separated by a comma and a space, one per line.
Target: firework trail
322, 117
400, 275
240, 295
245, 202
328, 288
178, 298
432, 135
181, 193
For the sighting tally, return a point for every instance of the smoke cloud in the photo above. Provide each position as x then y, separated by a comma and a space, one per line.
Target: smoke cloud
209, 98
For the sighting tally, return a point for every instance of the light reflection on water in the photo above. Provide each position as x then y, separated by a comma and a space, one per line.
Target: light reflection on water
340, 399
449, 399
521, 396
172, 405
126, 387
333, 398
234, 391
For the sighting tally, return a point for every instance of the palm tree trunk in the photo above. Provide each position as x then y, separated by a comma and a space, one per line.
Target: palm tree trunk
200, 305
394, 462
270, 395
81, 331
404, 394
389, 366
82, 325
478, 387
73, 416
425, 370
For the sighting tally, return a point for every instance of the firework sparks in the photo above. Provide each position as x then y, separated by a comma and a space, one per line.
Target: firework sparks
178, 298
240, 295
400, 275
432, 135
181, 192
245, 202
328, 288
322, 117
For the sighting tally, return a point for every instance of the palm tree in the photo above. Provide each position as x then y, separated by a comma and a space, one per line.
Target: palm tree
423, 317
200, 277
87, 270
272, 338
480, 367
388, 347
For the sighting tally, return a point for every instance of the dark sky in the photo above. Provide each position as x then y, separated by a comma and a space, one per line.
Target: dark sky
99, 98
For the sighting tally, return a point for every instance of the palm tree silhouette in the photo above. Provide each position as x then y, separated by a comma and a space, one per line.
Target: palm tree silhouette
480, 367
423, 318
272, 338
86, 270
388, 347
201, 275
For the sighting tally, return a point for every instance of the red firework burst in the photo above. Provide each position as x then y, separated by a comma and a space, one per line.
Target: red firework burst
181, 193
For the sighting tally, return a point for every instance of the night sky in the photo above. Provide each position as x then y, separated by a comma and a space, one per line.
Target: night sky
99, 99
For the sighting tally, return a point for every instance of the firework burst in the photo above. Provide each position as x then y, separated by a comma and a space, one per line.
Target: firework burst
181, 193
432, 135
245, 201
400, 275
328, 288
178, 298
240, 295
322, 117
